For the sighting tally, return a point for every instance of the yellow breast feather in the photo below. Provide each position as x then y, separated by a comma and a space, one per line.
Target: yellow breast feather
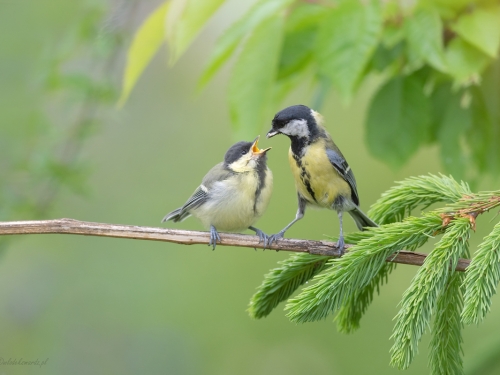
315, 177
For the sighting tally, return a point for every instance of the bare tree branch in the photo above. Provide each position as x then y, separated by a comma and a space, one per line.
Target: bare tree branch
185, 237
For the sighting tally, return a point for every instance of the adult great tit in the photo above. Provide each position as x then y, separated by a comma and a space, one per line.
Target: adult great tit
233, 194
322, 176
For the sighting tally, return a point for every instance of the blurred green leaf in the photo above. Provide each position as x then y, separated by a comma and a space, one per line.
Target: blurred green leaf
424, 32
398, 120
438, 100
346, 41
251, 83
447, 9
479, 137
147, 41
231, 38
305, 15
386, 57
455, 121
300, 36
392, 35
481, 28
465, 62
185, 20
297, 51
490, 87
484, 135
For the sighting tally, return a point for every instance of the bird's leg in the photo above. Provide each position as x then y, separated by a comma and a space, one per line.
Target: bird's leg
214, 237
341, 243
262, 236
300, 214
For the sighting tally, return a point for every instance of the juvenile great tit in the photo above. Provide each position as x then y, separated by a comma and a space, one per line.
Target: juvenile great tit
233, 194
322, 176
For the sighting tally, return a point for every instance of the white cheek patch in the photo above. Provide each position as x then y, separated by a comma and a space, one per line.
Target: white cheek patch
296, 128
241, 165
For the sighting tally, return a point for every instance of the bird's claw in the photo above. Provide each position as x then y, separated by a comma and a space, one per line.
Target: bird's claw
214, 237
275, 238
340, 245
263, 238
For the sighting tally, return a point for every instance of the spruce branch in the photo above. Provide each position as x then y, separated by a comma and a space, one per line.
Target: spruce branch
412, 192
346, 286
420, 299
409, 194
482, 278
357, 268
281, 282
445, 355
350, 313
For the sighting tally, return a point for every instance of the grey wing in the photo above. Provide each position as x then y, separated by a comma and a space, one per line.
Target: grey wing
343, 169
197, 199
200, 196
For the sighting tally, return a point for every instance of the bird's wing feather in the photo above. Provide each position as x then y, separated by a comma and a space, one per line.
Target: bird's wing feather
200, 195
343, 169
197, 199
217, 173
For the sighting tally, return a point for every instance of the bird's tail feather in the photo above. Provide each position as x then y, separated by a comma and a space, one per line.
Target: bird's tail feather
176, 215
361, 219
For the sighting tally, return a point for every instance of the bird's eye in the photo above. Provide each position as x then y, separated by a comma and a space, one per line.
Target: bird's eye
243, 152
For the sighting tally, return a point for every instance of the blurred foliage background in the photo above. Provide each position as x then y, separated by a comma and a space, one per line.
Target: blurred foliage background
95, 305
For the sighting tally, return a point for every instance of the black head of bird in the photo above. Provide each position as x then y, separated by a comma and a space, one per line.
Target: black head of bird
296, 122
245, 156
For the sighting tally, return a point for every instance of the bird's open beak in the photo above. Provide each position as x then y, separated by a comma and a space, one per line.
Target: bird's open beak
255, 149
272, 133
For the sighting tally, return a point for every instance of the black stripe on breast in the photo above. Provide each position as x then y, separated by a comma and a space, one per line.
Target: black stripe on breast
305, 177
261, 176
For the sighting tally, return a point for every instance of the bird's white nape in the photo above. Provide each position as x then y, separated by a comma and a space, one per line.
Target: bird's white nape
317, 117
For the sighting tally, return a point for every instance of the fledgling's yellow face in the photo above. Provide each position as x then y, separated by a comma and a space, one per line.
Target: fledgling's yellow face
250, 160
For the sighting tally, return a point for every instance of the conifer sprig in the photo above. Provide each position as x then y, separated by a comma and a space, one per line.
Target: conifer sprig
445, 355
412, 192
349, 316
281, 282
420, 299
345, 286
482, 277
356, 268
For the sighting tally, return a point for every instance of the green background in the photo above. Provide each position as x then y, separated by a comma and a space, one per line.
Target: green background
101, 306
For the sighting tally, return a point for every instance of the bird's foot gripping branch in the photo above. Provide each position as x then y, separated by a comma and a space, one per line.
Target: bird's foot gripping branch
344, 287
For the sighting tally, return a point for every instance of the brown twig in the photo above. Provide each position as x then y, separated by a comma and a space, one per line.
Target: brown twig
85, 228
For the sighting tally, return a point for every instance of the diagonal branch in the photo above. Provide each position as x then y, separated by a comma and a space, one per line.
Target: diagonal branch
185, 237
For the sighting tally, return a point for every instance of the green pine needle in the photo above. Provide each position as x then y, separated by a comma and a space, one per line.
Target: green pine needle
445, 355
412, 192
482, 277
420, 299
359, 266
351, 312
281, 282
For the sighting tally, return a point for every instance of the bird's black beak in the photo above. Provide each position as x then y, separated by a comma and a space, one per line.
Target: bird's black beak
255, 149
272, 133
